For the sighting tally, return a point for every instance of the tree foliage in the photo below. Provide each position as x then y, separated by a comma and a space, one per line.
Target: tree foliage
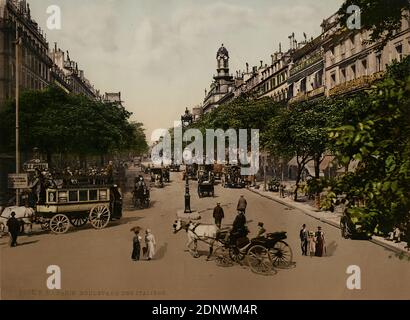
56, 122
379, 141
300, 131
381, 17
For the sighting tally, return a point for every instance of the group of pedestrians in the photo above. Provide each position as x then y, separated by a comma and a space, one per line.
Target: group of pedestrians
149, 248
219, 214
312, 243
239, 229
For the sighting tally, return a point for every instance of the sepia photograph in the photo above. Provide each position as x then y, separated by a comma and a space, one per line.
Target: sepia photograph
218, 150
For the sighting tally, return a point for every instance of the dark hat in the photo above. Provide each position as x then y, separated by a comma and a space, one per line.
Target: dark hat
319, 227
13, 214
260, 224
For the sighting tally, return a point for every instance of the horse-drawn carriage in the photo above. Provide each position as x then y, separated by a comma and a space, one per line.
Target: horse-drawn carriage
141, 194
218, 171
157, 177
232, 177
191, 170
263, 254
166, 175
174, 167
206, 181
77, 205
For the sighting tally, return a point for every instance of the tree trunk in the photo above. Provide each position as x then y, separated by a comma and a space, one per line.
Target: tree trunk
298, 177
317, 166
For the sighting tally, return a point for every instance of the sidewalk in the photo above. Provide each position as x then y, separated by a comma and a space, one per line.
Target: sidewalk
331, 218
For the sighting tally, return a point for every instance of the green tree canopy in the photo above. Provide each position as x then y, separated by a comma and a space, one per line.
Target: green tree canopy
56, 122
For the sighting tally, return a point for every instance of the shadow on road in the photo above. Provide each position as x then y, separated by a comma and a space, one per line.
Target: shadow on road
331, 248
27, 243
161, 251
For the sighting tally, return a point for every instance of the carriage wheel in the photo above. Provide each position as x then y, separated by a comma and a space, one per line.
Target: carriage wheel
222, 258
281, 255
79, 221
59, 224
100, 216
259, 260
235, 254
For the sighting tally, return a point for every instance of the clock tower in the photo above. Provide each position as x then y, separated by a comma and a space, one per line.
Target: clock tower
222, 58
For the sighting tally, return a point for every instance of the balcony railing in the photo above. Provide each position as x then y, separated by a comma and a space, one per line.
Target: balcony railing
356, 84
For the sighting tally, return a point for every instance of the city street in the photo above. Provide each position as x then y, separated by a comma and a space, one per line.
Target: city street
97, 264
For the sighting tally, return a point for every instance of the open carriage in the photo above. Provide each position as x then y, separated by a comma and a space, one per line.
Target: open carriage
77, 205
157, 177
206, 181
232, 177
140, 194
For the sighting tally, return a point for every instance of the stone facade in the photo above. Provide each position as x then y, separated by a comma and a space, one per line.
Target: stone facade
336, 62
15, 19
351, 62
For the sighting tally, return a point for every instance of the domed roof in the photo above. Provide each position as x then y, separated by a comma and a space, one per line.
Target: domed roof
222, 52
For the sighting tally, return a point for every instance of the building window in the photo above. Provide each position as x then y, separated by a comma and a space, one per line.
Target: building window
378, 63
364, 67
332, 79
342, 75
303, 85
399, 52
353, 68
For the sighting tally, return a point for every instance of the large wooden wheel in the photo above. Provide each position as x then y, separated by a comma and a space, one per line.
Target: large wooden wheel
78, 221
259, 260
100, 216
281, 255
59, 224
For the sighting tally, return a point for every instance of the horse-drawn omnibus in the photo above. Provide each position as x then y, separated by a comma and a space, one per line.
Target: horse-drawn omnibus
77, 205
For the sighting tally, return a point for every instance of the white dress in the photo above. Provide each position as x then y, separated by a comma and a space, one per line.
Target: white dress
150, 243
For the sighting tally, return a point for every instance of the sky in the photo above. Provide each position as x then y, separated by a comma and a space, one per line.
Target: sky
161, 53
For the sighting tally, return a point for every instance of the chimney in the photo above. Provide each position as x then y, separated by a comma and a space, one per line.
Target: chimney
247, 67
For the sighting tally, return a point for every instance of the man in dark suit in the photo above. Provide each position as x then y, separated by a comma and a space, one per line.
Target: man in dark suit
218, 215
14, 227
303, 235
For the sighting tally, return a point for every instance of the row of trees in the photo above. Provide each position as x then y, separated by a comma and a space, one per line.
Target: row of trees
372, 128
61, 123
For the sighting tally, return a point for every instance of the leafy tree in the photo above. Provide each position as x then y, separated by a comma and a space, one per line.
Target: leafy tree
380, 142
381, 17
300, 131
56, 122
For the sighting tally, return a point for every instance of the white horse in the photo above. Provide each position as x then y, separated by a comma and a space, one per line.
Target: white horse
197, 232
24, 214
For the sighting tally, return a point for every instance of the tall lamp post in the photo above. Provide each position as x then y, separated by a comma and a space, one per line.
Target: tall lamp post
187, 120
17, 43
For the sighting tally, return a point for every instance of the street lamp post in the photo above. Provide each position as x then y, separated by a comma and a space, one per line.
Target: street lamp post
187, 195
18, 41
186, 120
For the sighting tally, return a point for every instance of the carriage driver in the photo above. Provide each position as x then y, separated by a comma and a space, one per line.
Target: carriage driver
239, 229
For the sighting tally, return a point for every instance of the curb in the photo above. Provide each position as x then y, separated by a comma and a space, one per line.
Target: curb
331, 223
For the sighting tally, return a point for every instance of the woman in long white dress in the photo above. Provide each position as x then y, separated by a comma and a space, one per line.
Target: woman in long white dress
150, 244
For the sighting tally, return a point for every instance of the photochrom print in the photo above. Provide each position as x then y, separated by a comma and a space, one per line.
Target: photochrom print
204, 150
